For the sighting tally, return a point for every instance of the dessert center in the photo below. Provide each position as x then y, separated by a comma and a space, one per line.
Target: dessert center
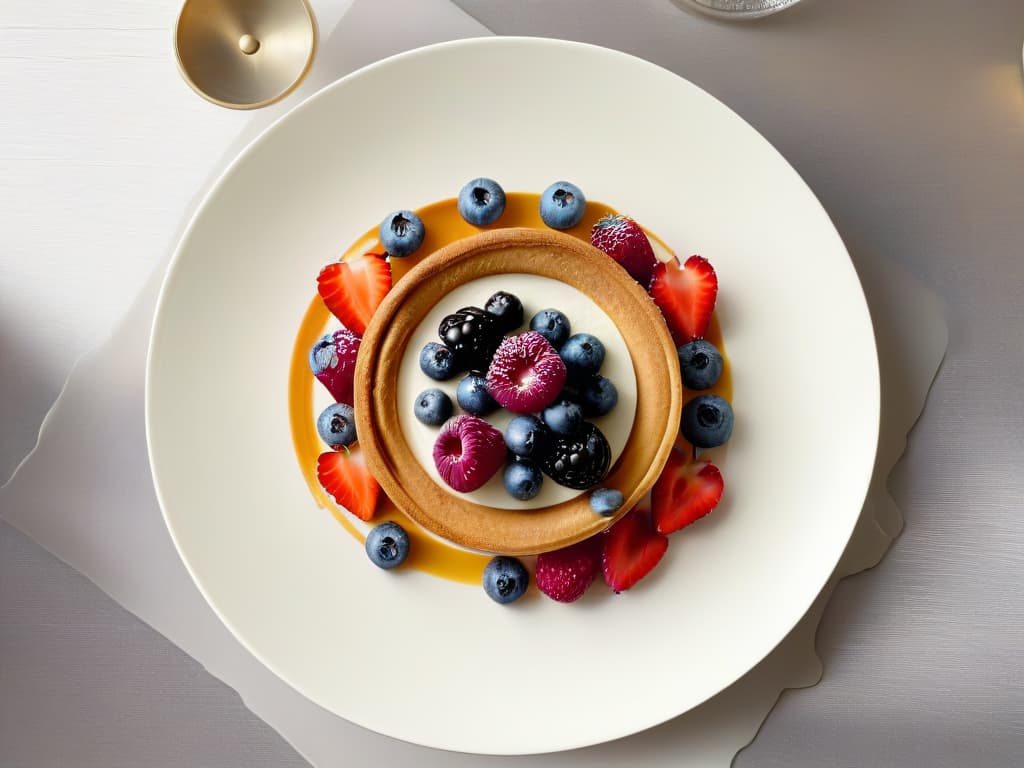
536, 293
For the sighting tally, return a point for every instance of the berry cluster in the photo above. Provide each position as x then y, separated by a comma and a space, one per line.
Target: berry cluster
546, 376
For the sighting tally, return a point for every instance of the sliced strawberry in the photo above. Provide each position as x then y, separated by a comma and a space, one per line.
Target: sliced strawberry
685, 492
349, 482
623, 239
352, 290
686, 296
631, 550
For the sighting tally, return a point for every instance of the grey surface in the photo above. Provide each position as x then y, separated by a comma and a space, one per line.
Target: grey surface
83, 683
907, 119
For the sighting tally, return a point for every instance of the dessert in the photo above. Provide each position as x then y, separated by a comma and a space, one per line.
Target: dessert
517, 391
449, 284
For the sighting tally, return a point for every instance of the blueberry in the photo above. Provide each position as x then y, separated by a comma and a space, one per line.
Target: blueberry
700, 362
606, 501
437, 361
401, 233
523, 479
526, 436
387, 545
481, 202
505, 579
433, 407
322, 355
337, 425
552, 325
562, 205
707, 421
473, 396
597, 396
563, 417
583, 355
507, 308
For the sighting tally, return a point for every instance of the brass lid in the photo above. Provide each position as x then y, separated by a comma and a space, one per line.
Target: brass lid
245, 54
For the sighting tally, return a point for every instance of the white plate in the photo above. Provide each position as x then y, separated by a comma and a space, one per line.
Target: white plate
437, 663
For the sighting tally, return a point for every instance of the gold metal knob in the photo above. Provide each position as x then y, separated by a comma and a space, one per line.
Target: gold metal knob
245, 54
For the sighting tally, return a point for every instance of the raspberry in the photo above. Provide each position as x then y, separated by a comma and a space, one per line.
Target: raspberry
526, 373
565, 574
468, 452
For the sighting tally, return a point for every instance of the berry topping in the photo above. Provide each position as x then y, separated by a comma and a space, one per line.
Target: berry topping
563, 417
473, 335
631, 550
562, 205
401, 233
527, 436
349, 482
623, 239
505, 579
507, 308
333, 361
523, 479
473, 396
552, 325
606, 501
597, 396
352, 290
707, 421
481, 202
337, 425
433, 407
579, 461
565, 574
583, 355
468, 452
438, 362
387, 545
686, 296
685, 492
526, 373
700, 363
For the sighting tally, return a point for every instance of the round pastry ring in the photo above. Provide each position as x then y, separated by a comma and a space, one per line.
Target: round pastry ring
502, 251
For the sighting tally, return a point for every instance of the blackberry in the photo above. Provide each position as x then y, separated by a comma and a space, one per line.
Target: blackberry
473, 335
578, 461
507, 308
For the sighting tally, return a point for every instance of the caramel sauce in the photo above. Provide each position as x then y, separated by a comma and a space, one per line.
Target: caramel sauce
443, 225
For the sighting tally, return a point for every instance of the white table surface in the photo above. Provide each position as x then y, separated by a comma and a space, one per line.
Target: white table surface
906, 117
